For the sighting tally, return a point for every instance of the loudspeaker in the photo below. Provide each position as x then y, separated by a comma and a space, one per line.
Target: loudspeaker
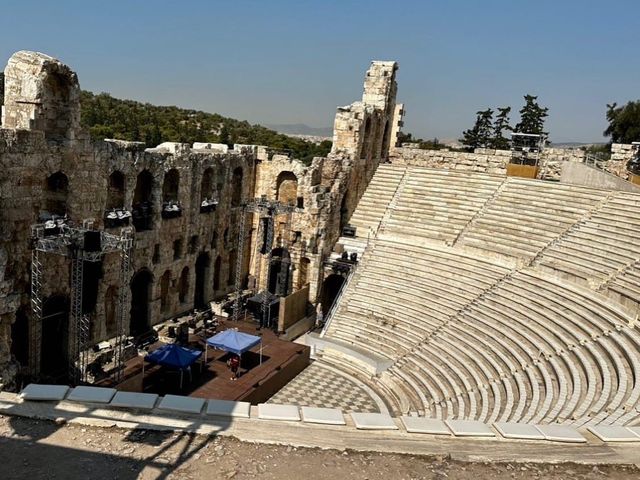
92, 241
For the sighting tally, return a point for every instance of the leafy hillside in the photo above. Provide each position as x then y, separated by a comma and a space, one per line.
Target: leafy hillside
108, 117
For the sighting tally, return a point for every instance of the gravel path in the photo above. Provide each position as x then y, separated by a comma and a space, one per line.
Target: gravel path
44, 450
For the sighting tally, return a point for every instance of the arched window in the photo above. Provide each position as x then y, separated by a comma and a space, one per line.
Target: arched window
233, 256
56, 194
280, 272
183, 285
142, 201
171, 186
20, 337
116, 191
208, 192
140, 301
165, 283
303, 272
54, 348
287, 188
200, 295
236, 187
330, 289
365, 141
216, 273
170, 194
144, 187
110, 306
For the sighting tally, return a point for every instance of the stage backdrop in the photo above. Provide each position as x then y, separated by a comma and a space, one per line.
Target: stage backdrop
293, 308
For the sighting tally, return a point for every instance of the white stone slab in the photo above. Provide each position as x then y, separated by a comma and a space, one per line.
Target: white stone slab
228, 408
92, 394
179, 403
614, 433
431, 426
634, 430
44, 393
143, 401
470, 428
561, 433
325, 416
272, 411
373, 421
521, 431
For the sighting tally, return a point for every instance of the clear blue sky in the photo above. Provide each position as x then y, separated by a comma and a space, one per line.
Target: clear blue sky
295, 61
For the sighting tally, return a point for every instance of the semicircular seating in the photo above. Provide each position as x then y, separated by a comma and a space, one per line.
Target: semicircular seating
475, 335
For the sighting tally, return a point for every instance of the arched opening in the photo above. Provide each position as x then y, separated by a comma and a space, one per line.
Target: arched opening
330, 289
280, 272
303, 272
202, 273
142, 201
216, 273
365, 141
208, 193
54, 348
20, 337
171, 186
56, 194
170, 194
140, 302
110, 306
165, 283
116, 191
183, 285
58, 118
287, 188
344, 212
233, 257
236, 187
385, 139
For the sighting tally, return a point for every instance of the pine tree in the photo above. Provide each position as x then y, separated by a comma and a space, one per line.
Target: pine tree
481, 133
501, 125
532, 117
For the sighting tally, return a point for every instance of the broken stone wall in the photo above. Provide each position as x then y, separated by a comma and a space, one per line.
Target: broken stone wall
484, 160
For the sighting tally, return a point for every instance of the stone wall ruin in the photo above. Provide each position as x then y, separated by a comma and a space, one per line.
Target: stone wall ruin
183, 256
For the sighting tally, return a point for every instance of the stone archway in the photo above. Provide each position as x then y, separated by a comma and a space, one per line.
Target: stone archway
279, 282
116, 190
56, 194
330, 290
140, 302
236, 187
20, 337
287, 188
54, 347
201, 295
216, 274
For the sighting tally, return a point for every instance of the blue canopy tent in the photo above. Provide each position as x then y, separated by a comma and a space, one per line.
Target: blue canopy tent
233, 341
173, 356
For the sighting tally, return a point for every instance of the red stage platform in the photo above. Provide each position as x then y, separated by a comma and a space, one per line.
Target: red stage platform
281, 361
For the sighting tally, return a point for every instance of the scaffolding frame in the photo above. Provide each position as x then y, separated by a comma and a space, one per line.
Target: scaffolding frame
68, 242
266, 209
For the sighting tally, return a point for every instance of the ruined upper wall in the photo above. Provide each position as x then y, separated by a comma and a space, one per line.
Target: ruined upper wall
41, 93
363, 129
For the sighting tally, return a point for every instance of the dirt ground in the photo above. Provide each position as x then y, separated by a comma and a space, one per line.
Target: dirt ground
45, 450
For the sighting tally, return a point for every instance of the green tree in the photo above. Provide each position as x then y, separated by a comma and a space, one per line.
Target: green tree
624, 122
500, 126
532, 117
480, 135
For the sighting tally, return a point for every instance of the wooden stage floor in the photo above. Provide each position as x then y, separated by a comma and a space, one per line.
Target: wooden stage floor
213, 378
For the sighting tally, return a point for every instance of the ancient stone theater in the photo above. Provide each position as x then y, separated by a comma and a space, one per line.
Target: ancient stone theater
457, 286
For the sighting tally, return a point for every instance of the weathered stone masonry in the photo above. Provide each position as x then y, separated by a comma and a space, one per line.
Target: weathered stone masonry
49, 165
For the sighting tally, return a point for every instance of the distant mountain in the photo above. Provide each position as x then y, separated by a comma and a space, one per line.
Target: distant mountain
302, 129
